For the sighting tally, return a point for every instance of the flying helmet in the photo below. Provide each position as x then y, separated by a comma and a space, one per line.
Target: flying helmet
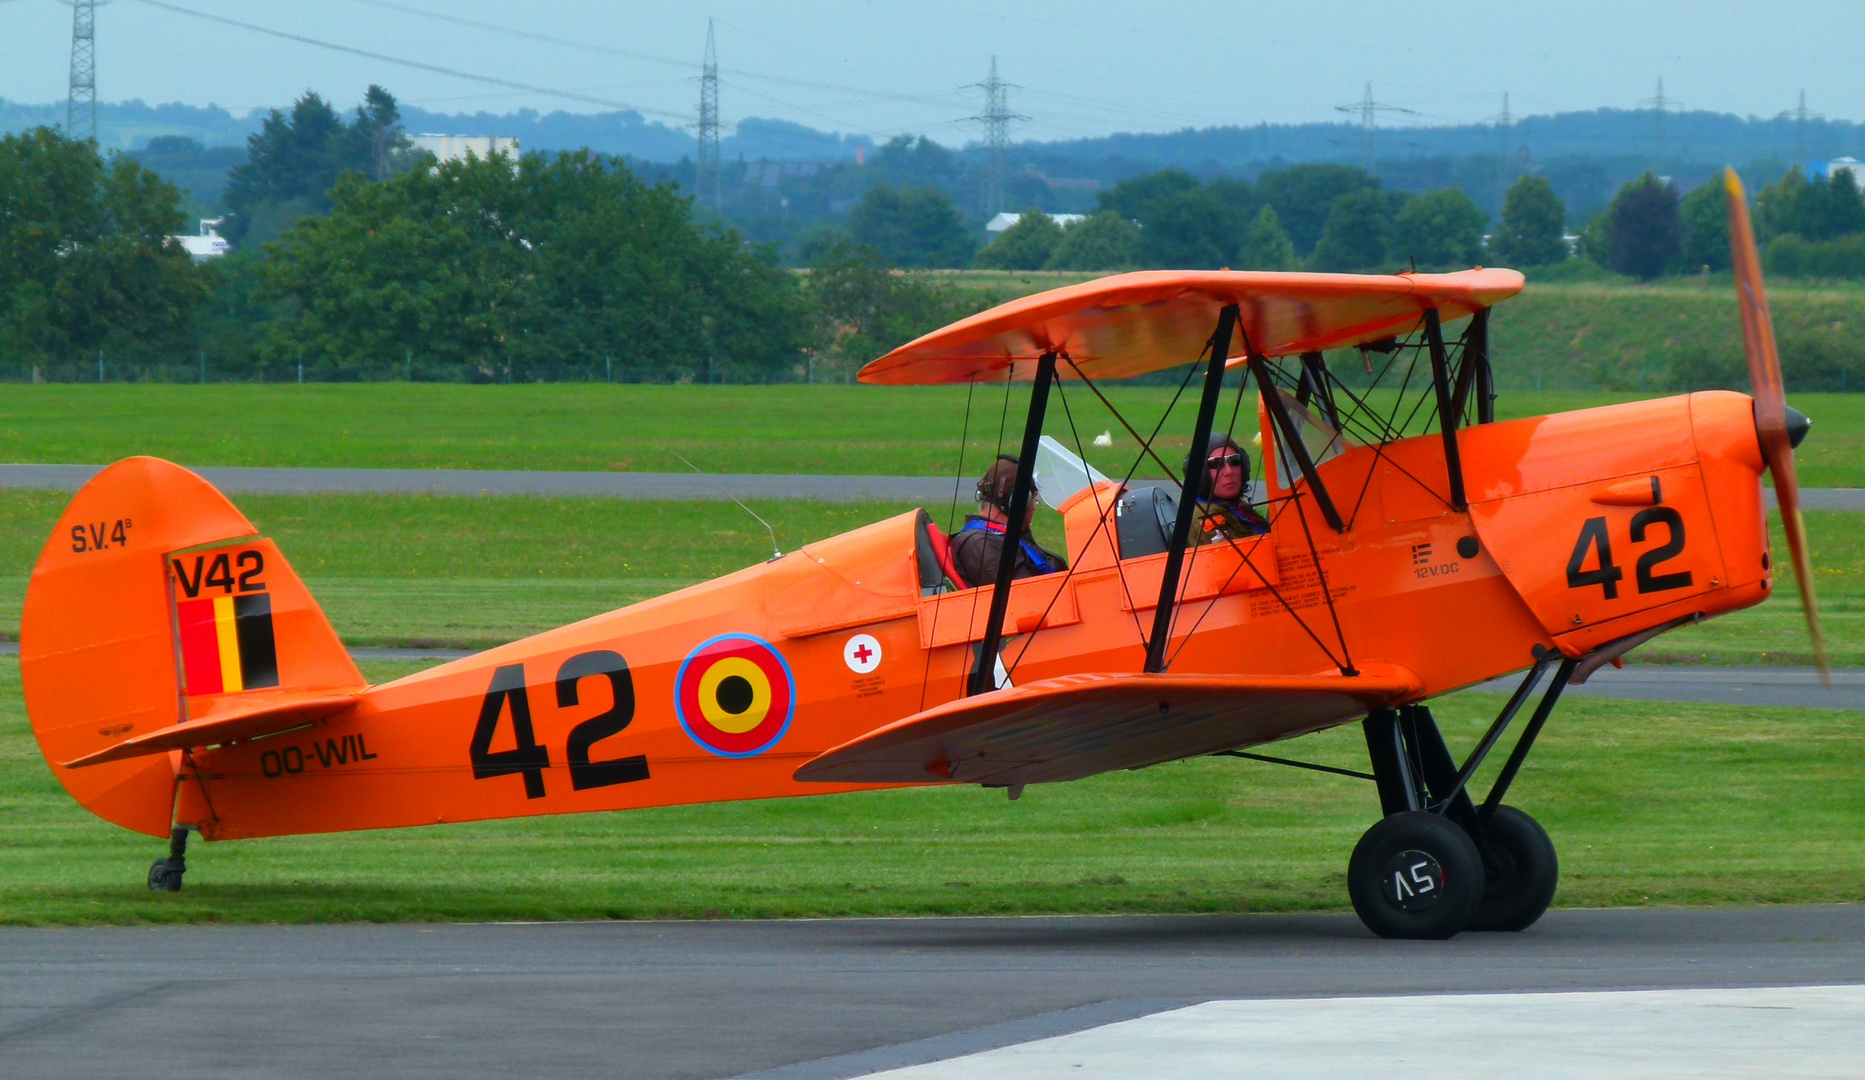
1217, 441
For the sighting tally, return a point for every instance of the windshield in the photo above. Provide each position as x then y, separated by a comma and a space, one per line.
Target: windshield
1320, 438
1060, 474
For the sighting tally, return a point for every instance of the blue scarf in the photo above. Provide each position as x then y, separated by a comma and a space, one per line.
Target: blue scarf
1035, 553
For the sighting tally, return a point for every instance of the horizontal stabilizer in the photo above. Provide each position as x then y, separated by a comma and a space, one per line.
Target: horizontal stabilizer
1079, 725
258, 713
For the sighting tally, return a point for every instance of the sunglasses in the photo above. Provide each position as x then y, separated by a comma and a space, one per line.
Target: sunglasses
1228, 461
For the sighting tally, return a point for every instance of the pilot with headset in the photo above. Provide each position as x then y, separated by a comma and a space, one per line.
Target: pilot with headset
1224, 510
978, 546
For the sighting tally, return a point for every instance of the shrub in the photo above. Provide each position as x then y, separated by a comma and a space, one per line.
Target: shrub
1792, 257
860, 309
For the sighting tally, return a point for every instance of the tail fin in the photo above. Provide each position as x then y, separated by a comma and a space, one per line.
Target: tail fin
158, 619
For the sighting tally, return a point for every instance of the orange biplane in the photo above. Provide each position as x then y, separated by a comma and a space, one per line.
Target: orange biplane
180, 677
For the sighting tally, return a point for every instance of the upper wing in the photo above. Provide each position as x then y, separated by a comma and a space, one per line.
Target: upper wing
1129, 324
1080, 725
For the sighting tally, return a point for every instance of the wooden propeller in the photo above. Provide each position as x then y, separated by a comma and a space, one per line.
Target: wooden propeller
1771, 411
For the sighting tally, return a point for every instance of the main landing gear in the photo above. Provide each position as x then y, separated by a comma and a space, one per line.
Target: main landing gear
1438, 863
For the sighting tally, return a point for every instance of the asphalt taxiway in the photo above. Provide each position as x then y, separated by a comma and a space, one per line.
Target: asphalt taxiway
787, 1000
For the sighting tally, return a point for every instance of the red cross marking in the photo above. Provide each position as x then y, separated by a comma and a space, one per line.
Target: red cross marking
863, 653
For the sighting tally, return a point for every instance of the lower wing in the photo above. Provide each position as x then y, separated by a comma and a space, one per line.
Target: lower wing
1079, 725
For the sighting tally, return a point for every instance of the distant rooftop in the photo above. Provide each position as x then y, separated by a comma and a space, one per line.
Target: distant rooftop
207, 244
1838, 165
1004, 221
461, 147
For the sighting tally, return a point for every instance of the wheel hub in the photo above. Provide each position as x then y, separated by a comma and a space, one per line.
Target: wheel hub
1413, 880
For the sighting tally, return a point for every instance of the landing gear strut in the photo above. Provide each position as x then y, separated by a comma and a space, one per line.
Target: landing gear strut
1438, 863
165, 874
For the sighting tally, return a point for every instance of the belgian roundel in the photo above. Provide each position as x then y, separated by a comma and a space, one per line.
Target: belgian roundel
735, 695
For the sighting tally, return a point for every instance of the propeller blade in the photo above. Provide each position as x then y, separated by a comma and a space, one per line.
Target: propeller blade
1764, 375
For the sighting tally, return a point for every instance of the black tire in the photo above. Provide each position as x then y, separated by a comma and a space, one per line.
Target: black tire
1415, 875
1520, 872
165, 876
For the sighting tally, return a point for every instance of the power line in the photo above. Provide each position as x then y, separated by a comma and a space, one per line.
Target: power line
729, 76
607, 50
437, 69
81, 96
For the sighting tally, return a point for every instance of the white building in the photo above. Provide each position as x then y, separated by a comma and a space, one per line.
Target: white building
208, 244
461, 147
1845, 164
1004, 221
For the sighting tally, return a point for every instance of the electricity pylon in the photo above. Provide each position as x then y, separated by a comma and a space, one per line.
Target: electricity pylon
706, 181
996, 119
1659, 105
1801, 116
81, 97
1368, 111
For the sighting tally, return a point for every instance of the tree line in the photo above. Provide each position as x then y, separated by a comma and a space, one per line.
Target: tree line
360, 259
1323, 217
1338, 218
563, 266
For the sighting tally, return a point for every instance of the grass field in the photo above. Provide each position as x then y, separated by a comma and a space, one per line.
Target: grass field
848, 430
1649, 804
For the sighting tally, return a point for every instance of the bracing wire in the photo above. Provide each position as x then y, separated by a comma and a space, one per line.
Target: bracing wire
958, 479
951, 519
1003, 422
1145, 451
1074, 564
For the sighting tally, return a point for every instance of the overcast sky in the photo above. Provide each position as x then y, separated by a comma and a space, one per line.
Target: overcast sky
884, 67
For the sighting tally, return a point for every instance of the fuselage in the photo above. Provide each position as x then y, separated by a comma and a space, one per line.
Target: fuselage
1581, 529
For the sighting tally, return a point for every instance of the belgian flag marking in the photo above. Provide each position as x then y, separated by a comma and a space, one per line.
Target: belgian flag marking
227, 644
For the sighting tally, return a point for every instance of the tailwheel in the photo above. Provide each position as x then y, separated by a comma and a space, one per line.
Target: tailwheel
1520, 871
162, 878
1415, 875
165, 874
